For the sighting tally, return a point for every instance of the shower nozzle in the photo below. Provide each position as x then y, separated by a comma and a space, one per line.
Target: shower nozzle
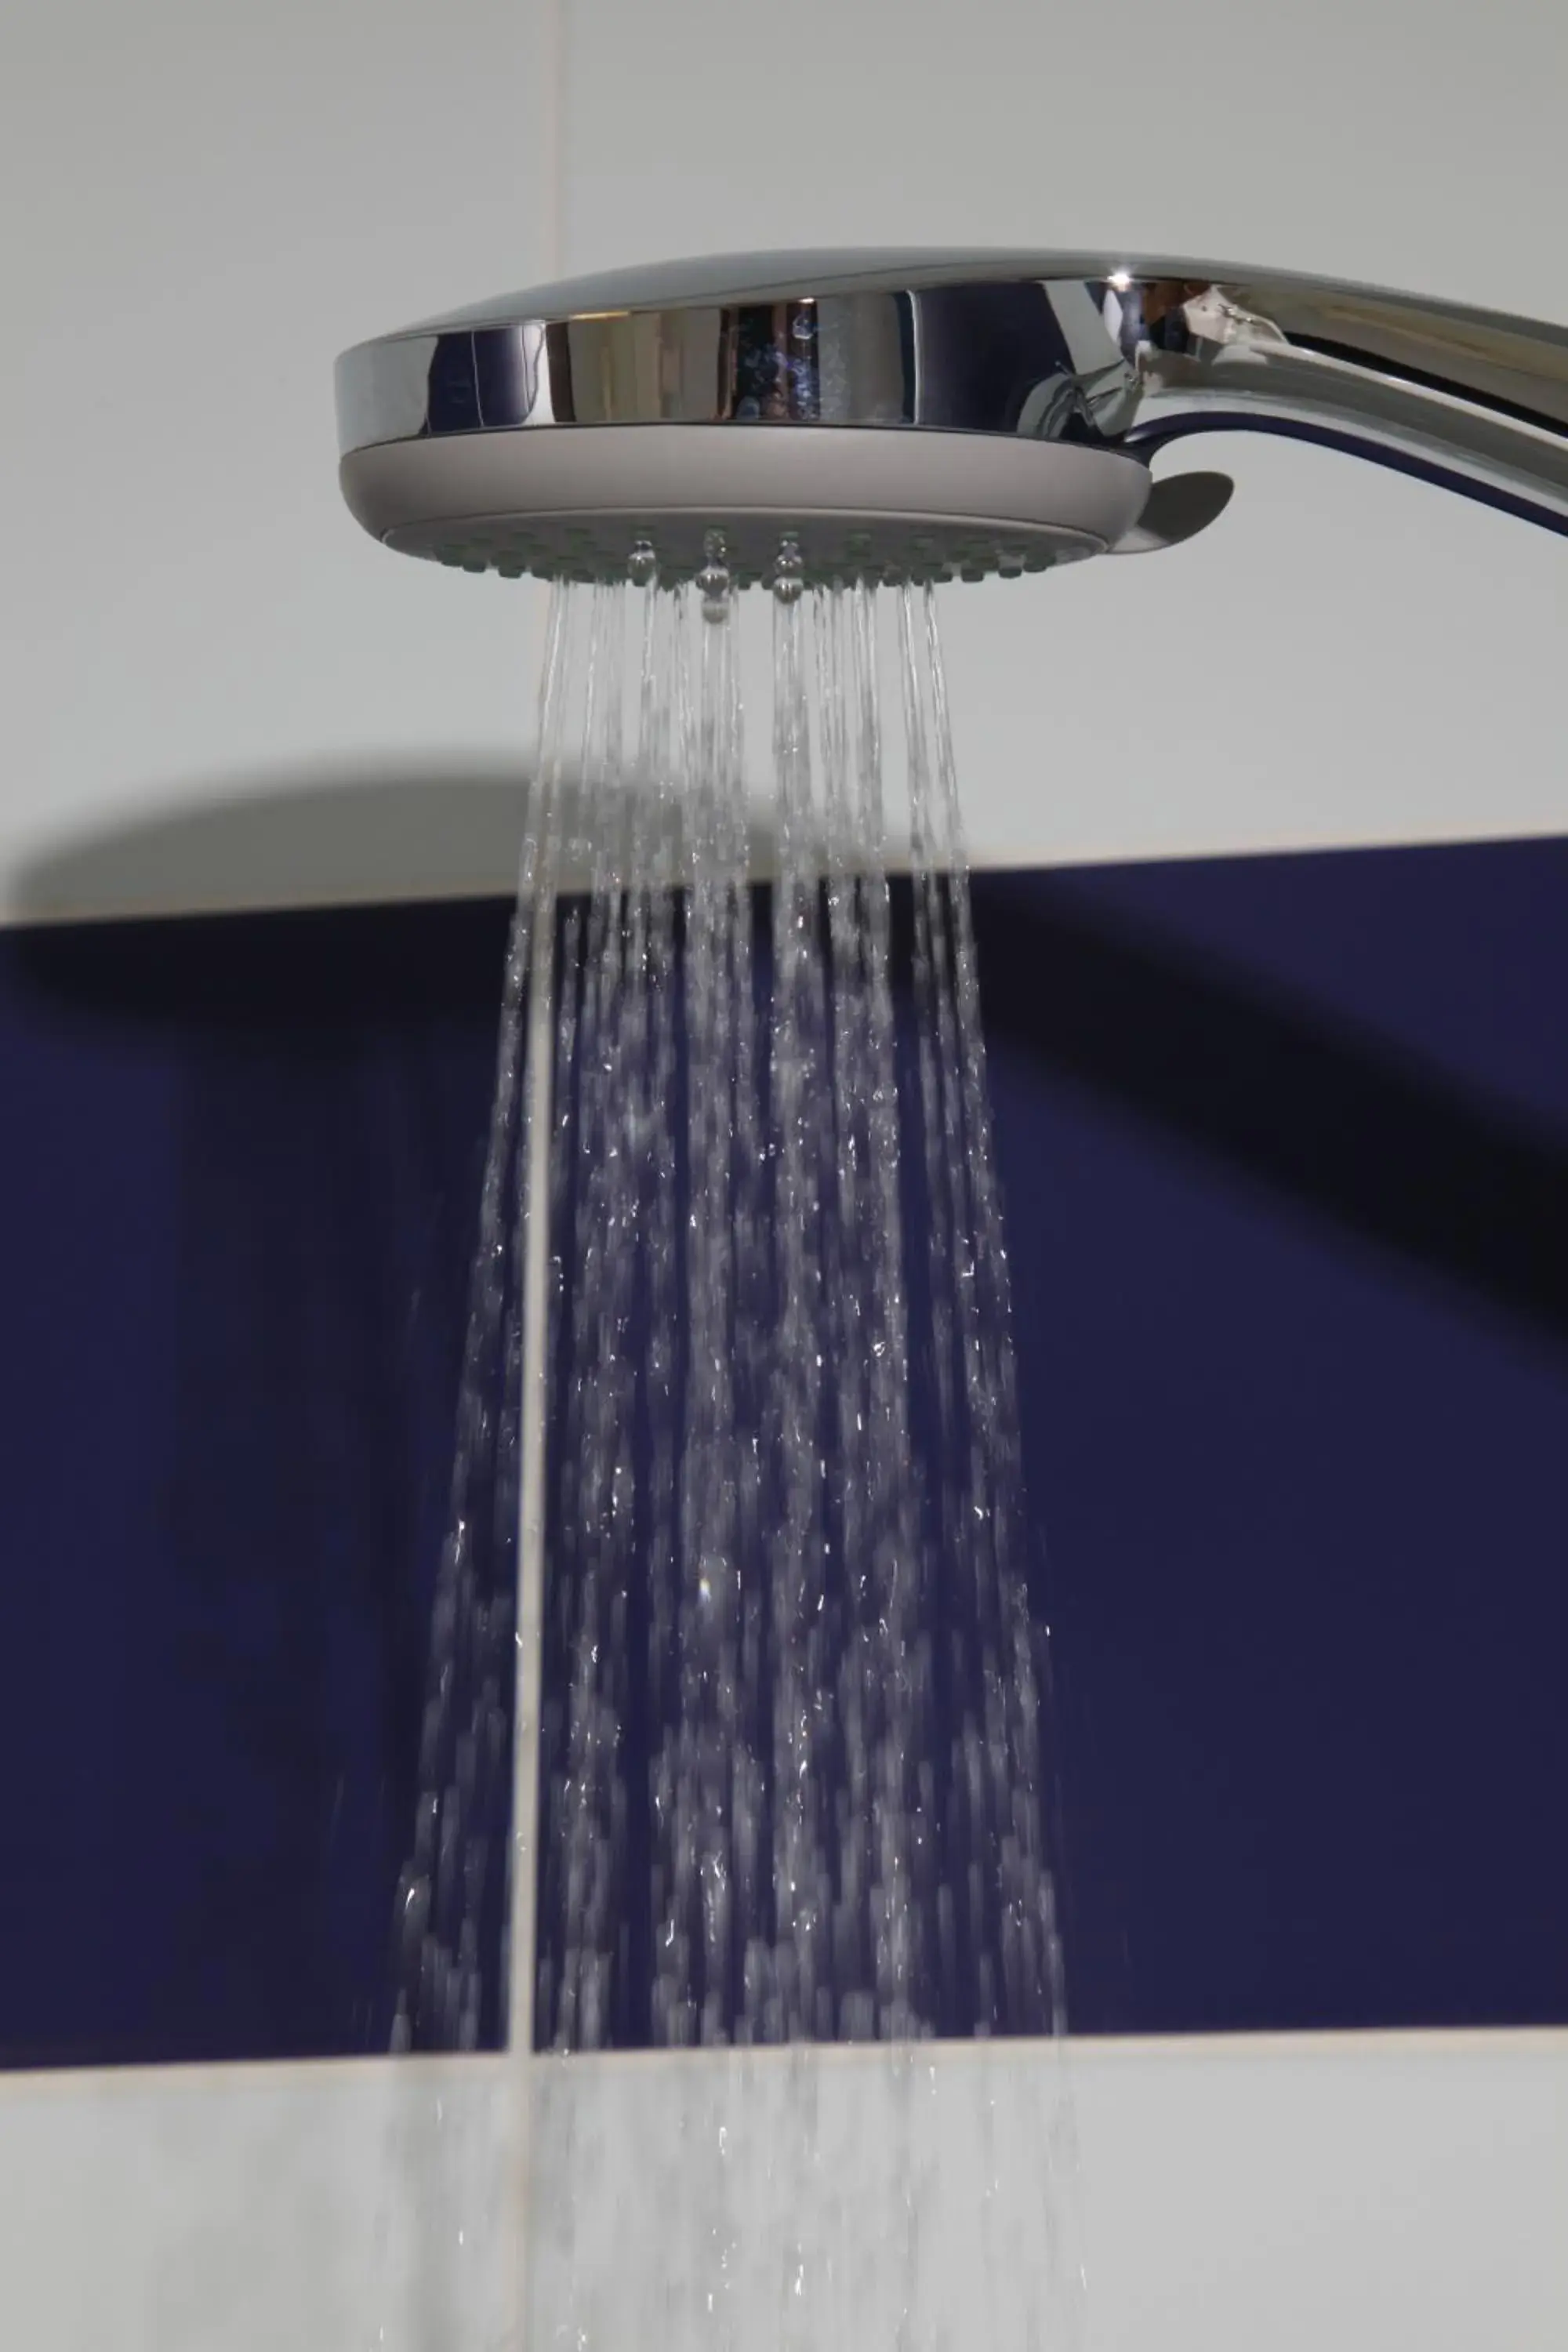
914, 415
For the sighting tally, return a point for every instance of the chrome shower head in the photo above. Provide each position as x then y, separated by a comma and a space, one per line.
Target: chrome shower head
901, 415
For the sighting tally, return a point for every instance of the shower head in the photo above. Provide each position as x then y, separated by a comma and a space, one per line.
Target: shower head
913, 416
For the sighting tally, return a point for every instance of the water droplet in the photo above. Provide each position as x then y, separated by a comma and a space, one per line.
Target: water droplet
789, 571
713, 582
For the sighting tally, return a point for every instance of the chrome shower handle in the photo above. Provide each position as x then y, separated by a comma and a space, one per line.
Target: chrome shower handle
1476, 401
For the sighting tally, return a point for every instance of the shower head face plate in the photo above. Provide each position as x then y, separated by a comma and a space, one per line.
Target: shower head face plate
582, 502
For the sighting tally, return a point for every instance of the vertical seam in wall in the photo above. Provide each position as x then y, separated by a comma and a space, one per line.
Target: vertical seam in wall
553, 79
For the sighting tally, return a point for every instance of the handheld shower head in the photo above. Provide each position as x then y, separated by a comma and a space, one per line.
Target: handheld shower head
911, 414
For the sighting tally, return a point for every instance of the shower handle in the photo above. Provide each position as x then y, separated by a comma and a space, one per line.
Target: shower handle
1473, 401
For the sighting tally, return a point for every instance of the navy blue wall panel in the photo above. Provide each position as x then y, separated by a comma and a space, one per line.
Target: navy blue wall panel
1284, 1145
237, 1195
1285, 1153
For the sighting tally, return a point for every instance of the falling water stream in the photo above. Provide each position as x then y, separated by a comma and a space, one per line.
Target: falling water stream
791, 1753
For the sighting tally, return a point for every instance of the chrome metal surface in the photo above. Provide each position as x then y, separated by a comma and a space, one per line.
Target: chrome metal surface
1103, 351
1475, 400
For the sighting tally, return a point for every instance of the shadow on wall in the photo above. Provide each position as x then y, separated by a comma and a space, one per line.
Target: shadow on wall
1316, 1110
352, 833
342, 833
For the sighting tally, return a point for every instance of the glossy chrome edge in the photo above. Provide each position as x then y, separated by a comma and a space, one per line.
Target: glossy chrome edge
1103, 350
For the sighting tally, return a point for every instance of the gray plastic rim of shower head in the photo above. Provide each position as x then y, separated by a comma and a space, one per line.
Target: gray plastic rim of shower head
890, 505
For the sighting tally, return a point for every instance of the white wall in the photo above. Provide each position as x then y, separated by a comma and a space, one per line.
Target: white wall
206, 202
1236, 2195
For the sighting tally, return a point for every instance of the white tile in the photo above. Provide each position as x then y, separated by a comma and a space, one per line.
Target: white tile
207, 204
1361, 2191
1401, 142
1365, 2192
247, 2209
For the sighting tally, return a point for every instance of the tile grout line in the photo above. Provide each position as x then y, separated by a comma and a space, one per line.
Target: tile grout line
1368, 2045
553, 79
